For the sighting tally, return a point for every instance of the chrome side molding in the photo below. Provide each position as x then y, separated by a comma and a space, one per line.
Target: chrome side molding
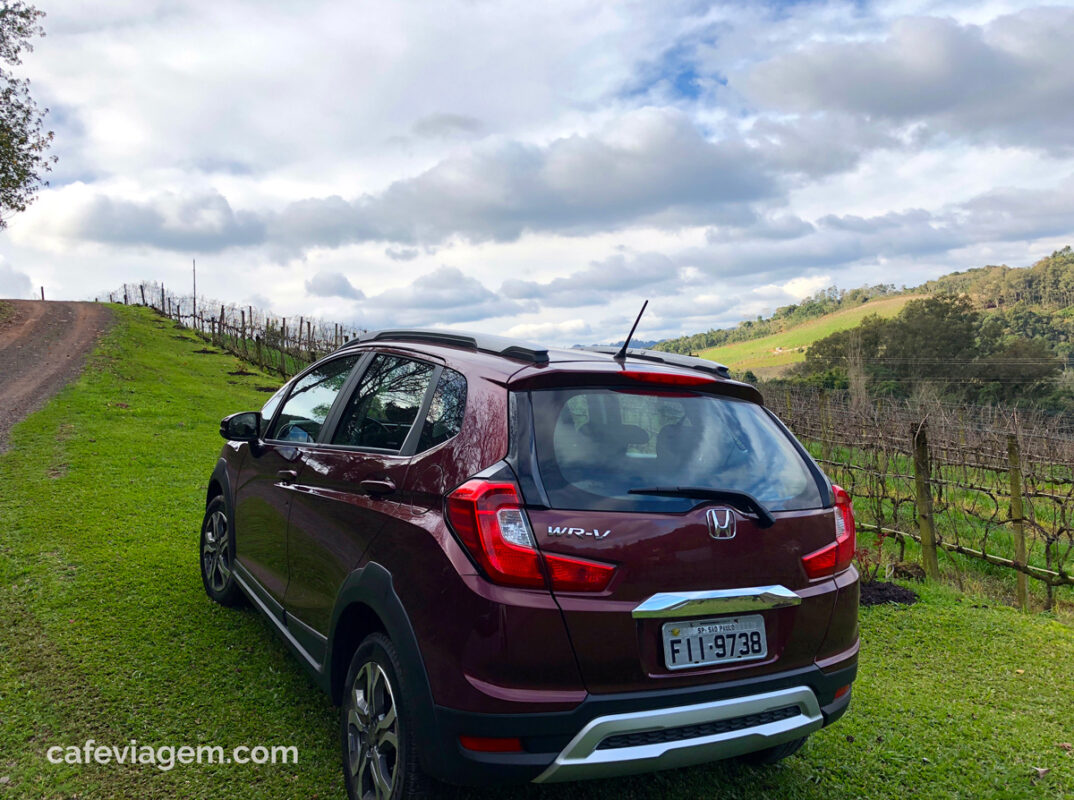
716, 601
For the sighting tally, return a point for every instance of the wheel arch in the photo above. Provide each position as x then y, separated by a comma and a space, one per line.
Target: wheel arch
357, 621
367, 603
219, 485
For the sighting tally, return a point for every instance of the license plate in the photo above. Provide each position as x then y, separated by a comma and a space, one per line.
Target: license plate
714, 641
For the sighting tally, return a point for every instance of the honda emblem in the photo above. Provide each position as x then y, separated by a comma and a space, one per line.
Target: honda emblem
722, 523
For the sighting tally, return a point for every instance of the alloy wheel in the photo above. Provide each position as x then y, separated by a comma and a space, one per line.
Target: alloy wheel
372, 733
216, 552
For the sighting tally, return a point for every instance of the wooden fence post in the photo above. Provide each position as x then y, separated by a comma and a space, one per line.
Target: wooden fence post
141, 287
1014, 455
825, 428
283, 347
923, 492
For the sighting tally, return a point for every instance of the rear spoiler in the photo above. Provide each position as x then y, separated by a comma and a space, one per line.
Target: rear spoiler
630, 375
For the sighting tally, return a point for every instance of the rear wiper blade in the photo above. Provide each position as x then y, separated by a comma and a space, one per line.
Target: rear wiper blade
743, 501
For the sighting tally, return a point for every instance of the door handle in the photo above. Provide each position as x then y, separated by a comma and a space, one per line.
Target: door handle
287, 475
377, 488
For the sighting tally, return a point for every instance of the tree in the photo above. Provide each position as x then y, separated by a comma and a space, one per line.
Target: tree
23, 140
1021, 368
934, 339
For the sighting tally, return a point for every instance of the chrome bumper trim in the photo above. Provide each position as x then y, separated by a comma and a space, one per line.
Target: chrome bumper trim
581, 759
717, 601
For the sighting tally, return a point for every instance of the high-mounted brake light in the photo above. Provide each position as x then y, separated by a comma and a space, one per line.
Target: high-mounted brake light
668, 378
490, 521
836, 557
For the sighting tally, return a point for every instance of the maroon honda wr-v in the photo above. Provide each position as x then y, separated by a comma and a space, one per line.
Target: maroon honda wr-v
507, 563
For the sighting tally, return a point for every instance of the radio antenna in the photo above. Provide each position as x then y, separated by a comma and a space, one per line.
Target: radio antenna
621, 355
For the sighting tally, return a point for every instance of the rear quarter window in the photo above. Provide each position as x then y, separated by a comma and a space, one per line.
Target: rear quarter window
446, 410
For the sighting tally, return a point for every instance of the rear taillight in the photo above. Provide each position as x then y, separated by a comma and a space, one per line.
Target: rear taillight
837, 556
491, 523
846, 532
577, 574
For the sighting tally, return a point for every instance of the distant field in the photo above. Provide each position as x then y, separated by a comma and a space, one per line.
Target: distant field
771, 355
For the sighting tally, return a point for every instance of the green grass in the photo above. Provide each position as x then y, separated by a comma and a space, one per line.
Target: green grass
105, 631
771, 355
6, 310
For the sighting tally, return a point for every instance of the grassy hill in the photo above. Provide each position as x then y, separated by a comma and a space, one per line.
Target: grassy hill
771, 355
106, 633
1034, 302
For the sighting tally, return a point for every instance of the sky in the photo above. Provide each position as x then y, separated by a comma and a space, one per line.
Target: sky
539, 169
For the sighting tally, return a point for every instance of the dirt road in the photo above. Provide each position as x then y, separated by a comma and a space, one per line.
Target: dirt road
43, 346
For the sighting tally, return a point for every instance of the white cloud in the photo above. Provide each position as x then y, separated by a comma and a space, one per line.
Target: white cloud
1010, 80
332, 284
442, 296
542, 168
448, 126
14, 284
563, 332
187, 222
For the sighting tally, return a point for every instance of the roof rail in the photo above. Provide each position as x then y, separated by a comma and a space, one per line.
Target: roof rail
671, 359
482, 342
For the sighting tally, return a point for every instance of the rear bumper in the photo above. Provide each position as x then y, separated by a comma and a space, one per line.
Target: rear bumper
644, 741
621, 734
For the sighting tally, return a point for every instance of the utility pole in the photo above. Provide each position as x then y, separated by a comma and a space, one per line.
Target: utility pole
194, 261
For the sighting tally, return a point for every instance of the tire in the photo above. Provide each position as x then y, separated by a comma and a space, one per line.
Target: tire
217, 559
379, 752
773, 755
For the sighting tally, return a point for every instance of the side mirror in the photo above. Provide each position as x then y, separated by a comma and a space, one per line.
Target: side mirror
242, 427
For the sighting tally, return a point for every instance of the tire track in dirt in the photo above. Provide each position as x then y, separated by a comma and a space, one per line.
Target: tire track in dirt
43, 347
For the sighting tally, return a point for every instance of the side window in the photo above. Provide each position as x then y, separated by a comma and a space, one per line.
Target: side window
310, 401
269, 409
444, 419
383, 408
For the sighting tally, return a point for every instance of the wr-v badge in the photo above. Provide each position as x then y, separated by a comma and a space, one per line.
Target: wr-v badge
562, 531
722, 523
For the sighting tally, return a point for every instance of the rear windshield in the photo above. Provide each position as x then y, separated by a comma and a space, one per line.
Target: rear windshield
596, 444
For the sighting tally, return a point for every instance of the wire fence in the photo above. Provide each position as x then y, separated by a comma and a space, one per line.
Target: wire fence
986, 482
989, 483
276, 344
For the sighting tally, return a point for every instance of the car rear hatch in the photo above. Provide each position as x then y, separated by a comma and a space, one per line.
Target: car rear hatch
625, 469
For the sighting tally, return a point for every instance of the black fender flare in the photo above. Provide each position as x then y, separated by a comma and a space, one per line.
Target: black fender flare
220, 476
372, 587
